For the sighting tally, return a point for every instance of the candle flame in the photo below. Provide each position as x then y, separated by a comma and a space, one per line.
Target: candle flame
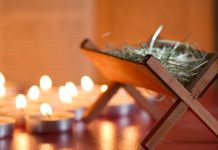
45, 83
20, 101
2, 91
46, 109
71, 88
64, 95
2, 79
33, 93
104, 88
87, 83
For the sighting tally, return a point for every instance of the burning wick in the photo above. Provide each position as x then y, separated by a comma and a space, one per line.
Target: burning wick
2, 91
71, 88
64, 95
33, 93
104, 88
46, 110
45, 83
87, 83
2, 79
20, 102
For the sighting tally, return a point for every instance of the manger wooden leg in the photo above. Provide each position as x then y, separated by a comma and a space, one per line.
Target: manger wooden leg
143, 102
181, 105
165, 124
103, 99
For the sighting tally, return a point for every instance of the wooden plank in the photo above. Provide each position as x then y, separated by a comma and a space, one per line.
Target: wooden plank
119, 70
179, 108
173, 84
142, 102
101, 102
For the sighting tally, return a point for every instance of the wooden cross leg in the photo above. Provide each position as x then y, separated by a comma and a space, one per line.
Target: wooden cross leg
187, 98
104, 98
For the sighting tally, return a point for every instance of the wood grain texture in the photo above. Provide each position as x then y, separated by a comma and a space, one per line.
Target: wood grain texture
123, 71
155, 69
177, 110
173, 84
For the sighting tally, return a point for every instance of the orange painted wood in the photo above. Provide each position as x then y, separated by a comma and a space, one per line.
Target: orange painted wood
123, 71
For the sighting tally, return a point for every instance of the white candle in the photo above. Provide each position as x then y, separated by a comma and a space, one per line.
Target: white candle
49, 121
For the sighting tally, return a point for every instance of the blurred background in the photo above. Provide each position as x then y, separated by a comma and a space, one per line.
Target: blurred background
43, 36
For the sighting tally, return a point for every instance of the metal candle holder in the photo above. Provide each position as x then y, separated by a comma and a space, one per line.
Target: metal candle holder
56, 123
6, 126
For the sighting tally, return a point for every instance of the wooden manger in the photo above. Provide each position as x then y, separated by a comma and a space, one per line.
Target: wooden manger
151, 74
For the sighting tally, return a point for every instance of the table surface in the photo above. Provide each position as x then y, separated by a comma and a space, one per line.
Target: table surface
111, 131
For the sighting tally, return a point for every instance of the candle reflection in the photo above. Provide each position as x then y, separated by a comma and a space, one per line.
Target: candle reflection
130, 136
107, 131
21, 141
46, 146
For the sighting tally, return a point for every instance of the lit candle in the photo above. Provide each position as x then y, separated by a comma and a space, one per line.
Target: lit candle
48, 121
45, 83
10, 89
48, 93
33, 93
2, 79
66, 95
2, 91
88, 90
71, 88
87, 83
104, 88
6, 126
18, 111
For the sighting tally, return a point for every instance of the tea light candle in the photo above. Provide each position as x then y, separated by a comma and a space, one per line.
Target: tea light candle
6, 126
18, 109
47, 92
19, 112
7, 89
67, 103
48, 121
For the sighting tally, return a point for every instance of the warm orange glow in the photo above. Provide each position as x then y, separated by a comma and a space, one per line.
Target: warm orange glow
2, 91
45, 83
104, 88
64, 95
71, 88
87, 83
46, 109
20, 101
2, 79
33, 93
